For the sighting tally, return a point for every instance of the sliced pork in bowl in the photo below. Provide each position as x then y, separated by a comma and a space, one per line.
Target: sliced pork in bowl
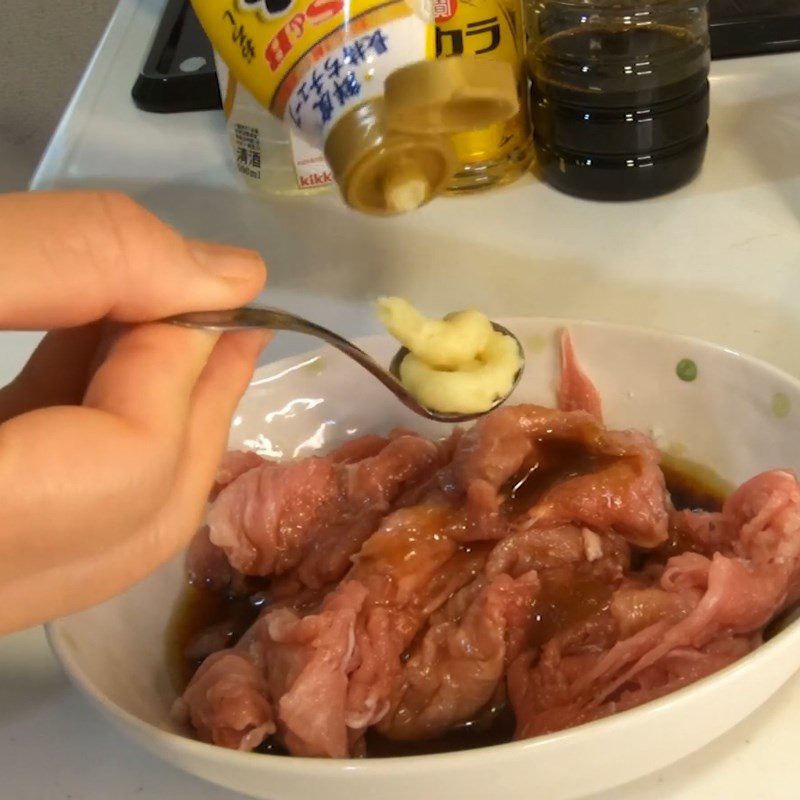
380, 606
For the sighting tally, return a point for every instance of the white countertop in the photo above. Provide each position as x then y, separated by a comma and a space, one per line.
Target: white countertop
719, 259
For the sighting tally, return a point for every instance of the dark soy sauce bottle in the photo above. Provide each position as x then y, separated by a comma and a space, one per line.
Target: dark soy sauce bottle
619, 94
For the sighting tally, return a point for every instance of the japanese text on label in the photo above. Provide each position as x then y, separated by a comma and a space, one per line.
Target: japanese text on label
334, 83
481, 37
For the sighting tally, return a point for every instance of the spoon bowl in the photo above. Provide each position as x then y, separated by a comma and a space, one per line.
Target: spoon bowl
249, 317
441, 416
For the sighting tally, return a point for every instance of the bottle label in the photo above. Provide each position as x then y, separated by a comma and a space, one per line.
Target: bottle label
310, 61
483, 28
444, 10
350, 73
310, 167
247, 150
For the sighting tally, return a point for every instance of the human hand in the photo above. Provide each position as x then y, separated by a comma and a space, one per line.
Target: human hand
110, 436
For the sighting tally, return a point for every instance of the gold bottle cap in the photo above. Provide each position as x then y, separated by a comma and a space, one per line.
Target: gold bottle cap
382, 171
450, 95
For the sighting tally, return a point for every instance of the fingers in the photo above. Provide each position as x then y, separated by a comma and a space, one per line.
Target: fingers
216, 396
76, 482
82, 481
87, 485
148, 377
56, 373
74, 257
130, 530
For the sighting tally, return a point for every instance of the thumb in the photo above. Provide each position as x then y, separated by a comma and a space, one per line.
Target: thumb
70, 258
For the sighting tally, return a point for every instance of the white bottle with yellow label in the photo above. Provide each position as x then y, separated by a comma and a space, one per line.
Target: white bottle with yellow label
268, 156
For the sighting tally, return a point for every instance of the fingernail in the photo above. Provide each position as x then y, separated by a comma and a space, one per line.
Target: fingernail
230, 263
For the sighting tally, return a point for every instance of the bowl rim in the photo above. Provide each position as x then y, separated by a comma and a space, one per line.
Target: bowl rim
297, 766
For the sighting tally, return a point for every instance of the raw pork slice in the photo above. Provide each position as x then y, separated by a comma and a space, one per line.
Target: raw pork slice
227, 700
457, 667
703, 614
268, 519
576, 392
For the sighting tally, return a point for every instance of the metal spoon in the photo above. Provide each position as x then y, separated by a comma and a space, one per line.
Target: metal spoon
275, 319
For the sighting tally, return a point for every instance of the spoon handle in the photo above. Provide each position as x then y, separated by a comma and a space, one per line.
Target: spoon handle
275, 319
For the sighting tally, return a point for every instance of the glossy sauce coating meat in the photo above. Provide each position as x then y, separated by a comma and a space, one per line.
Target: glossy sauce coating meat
403, 590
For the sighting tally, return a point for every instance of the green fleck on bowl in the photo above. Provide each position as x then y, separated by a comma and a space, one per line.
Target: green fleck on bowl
781, 405
686, 370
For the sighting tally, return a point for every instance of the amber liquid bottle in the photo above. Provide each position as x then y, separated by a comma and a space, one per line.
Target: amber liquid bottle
490, 29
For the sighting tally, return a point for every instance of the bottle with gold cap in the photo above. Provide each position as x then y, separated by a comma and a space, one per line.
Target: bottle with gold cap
360, 81
487, 30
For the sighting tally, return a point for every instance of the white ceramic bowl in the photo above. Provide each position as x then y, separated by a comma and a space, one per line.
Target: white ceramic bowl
738, 415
